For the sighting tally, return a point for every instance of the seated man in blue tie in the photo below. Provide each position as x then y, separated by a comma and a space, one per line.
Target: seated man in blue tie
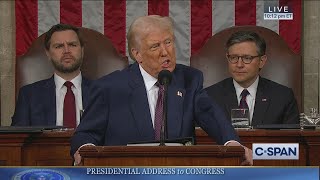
268, 102
56, 101
124, 104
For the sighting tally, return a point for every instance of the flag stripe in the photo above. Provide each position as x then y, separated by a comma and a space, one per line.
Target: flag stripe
245, 12
291, 30
71, 12
93, 15
201, 20
48, 15
180, 13
135, 8
26, 24
158, 7
270, 24
223, 15
115, 23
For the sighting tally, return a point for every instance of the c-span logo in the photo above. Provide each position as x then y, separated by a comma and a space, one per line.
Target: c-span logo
41, 174
269, 151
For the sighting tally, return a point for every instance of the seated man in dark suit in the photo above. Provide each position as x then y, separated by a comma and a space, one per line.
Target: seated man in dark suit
59, 99
268, 101
124, 104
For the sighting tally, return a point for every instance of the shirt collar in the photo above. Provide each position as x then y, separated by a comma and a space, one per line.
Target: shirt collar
149, 80
59, 81
252, 88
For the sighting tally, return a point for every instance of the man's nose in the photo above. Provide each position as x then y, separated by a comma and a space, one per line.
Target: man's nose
240, 62
66, 48
164, 51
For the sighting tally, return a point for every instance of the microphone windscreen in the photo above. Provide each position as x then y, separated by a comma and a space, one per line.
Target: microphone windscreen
164, 77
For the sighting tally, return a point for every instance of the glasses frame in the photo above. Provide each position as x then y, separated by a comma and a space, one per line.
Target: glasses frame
251, 58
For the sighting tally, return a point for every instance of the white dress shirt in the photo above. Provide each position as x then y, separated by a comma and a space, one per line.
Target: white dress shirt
61, 91
251, 98
152, 91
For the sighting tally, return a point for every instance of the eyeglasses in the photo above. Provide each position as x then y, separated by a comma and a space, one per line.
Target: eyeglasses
247, 59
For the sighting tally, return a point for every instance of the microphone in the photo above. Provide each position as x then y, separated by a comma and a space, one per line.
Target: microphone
164, 78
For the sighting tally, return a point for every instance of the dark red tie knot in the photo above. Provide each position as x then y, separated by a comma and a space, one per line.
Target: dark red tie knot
161, 87
244, 93
68, 84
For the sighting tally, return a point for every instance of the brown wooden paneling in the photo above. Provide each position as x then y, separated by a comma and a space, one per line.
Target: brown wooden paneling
52, 148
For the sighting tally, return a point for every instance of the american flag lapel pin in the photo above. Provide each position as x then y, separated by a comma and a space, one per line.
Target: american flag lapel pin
179, 93
264, 99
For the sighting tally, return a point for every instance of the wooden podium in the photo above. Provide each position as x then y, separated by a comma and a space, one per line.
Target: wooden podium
206, 155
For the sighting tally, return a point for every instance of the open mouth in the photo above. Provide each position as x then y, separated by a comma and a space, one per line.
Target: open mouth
165, 64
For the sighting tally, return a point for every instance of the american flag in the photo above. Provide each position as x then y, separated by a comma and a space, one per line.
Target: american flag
195, 20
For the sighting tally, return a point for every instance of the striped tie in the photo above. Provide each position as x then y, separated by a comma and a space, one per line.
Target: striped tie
158, 118
243, 103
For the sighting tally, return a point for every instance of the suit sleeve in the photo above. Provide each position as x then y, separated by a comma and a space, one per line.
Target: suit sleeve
291, 114
21, 116
93, 125
211, 118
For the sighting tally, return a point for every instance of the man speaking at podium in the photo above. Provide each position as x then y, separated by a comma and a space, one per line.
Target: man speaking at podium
124, 105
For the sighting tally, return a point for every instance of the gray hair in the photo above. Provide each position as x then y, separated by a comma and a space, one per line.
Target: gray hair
143, 25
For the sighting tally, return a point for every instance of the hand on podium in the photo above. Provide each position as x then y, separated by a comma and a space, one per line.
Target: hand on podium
247, 159
77, 157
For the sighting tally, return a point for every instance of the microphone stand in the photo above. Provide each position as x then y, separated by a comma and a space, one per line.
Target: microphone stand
163, 131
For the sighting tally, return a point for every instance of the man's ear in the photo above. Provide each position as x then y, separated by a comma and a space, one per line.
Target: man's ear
263, 60
136, 54
227, 56
82, 51
47, 53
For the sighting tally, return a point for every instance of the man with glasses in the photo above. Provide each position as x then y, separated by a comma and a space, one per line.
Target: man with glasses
268, 102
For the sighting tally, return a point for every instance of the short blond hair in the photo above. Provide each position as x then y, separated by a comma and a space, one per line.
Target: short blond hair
142, 25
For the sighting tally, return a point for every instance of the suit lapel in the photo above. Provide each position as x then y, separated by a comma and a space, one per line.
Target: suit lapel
50, 92
139, 103
261, 104
175, 107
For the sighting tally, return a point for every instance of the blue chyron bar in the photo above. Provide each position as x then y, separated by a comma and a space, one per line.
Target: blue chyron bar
168, 173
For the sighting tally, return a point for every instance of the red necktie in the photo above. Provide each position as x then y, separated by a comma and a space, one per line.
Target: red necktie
69, 107
243, 103
159, 112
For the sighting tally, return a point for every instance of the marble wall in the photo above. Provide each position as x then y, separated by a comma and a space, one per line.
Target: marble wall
7, 60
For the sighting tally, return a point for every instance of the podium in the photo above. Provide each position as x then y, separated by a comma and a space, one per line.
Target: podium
198, 155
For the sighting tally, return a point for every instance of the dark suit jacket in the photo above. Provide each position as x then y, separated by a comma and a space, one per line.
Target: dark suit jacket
36, 104
118, 112
274, 104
